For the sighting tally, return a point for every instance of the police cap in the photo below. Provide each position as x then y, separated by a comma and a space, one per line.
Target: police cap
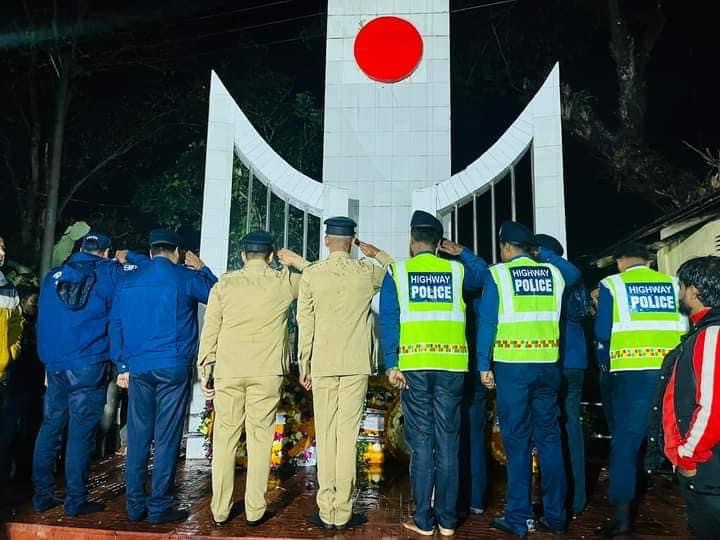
95, 240
424, 220
513, 232
257, 242
340, 226
634, 250
549, 242
165, 236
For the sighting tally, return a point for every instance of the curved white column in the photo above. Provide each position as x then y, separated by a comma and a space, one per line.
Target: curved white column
230, 133
539, 126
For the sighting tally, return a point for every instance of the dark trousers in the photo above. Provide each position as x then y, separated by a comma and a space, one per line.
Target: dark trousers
703, 510
604, 383
570, 395
631, 395
527, 400
74, 398
473, 457
10, 413
431, 409
158, 401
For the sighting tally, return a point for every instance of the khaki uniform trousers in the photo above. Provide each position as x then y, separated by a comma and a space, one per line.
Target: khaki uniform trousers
338, 403
249, 403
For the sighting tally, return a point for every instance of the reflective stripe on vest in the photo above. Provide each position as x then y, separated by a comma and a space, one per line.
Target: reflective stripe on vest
647, 323
432, 313
530, 295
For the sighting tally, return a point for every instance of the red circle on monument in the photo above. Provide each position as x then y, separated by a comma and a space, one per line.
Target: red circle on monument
388, 49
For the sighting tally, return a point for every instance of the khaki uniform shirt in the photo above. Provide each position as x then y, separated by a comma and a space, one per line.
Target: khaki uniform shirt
245, 331
334, 318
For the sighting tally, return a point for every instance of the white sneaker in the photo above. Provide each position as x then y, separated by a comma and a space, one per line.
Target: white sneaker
410, 526
477, 511
446, 532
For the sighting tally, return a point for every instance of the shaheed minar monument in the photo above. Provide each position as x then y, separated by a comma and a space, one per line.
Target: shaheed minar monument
387, 144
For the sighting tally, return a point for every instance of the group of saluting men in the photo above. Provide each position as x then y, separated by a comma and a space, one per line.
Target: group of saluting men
141, 313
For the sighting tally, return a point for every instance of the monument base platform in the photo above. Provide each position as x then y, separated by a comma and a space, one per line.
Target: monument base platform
292, 495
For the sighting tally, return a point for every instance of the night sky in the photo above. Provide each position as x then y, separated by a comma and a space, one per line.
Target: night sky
531, 35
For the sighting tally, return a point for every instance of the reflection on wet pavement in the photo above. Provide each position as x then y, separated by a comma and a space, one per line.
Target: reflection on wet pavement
383, 493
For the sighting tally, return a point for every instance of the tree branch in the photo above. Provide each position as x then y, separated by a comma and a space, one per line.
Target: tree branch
127, 147
504, 58
651, 35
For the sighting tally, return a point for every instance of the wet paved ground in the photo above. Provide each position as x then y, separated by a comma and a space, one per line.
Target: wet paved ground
661, 514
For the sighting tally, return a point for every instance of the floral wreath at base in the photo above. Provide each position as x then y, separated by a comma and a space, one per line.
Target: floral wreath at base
294, 440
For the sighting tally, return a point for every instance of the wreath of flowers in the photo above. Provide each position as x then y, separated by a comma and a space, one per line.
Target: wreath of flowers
294, 439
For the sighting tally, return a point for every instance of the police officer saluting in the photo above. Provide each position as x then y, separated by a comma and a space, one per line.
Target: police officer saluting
524, 298
638, 323
422, 324
154, 332
73, 343
244, 347
335, 346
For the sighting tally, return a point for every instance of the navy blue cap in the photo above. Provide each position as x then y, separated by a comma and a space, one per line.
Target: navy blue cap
257, 242
165, 236
424, 220
95, 240
340, 226
516, 233
549, 242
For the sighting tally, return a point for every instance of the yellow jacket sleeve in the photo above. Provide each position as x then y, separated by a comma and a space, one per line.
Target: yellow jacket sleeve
12, 323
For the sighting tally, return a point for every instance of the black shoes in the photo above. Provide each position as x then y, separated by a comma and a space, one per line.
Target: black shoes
502, 525
314, 519
47, 504
256, 523
235, 511
86, 508
171, 515
621, 523
137, 519
355, 520
545, 526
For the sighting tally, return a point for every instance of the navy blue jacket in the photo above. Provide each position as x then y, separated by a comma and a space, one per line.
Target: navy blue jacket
603, 327
72, 338
476, 277
573, 346
154, 324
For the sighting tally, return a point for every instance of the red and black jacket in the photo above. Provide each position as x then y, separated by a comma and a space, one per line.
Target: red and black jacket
685, 417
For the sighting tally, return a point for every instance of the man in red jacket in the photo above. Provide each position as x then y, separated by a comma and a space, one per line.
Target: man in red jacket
690, 392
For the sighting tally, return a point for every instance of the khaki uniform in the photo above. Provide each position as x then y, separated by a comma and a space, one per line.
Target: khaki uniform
244, 343
336, 348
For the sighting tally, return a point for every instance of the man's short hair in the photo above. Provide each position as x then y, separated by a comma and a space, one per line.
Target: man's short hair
162, 249
257, 254
426, 235
633, 250
96, 252
703, 273
525, 248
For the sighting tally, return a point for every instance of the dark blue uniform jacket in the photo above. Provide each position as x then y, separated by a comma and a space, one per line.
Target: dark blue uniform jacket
73, 312
154, 323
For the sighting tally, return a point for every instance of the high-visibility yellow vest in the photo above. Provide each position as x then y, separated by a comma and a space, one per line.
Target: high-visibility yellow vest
647, 323
530, 296
432, 314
